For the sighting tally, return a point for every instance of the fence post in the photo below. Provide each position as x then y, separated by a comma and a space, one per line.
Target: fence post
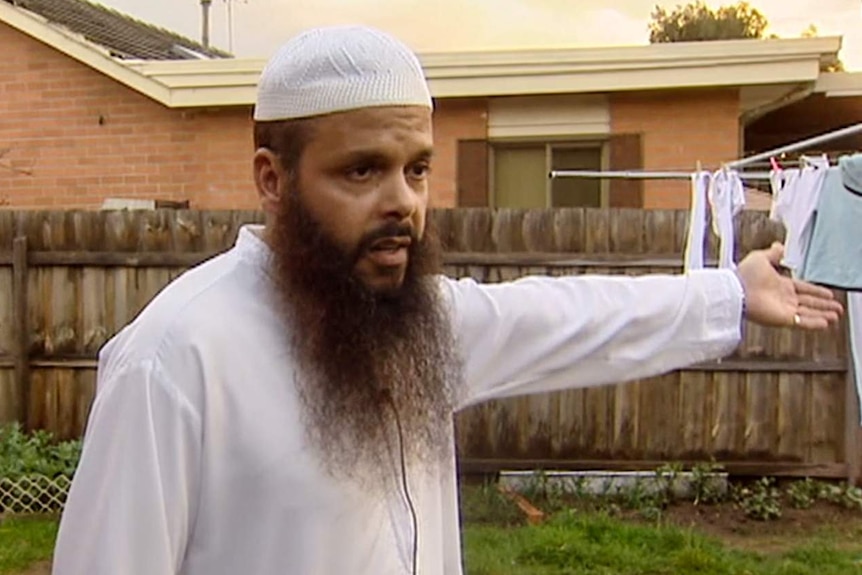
21, 328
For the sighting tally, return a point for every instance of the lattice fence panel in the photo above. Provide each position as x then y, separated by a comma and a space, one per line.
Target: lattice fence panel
34, 494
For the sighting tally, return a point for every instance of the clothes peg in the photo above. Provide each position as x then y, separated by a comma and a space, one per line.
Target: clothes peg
774, 163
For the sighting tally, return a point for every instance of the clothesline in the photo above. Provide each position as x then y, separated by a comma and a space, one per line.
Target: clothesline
801, 155
643, 174
800, 145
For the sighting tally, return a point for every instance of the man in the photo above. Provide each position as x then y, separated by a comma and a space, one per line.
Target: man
286, 408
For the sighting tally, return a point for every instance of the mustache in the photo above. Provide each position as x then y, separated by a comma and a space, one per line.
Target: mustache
387, 230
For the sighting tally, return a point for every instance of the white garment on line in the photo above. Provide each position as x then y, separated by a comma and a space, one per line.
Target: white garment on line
779, 182
697, 221
794, 207
726, 199
194, 458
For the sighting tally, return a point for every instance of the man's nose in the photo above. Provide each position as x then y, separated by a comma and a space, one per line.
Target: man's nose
399, 199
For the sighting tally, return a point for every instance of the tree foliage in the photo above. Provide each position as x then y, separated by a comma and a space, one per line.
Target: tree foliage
698, 22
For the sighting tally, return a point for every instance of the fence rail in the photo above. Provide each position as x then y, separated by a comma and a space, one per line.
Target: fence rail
782, 404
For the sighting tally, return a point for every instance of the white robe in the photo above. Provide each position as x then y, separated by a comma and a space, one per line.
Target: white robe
194, 461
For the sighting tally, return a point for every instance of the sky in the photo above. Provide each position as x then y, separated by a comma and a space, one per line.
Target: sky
260, 26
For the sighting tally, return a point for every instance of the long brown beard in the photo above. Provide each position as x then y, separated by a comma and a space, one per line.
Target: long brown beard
369, 362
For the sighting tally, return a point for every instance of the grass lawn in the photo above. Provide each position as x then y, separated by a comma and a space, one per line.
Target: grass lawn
588, 537
572, 543
687, 540
25, 542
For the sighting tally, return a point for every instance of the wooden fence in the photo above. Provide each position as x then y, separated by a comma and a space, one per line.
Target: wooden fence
782, 404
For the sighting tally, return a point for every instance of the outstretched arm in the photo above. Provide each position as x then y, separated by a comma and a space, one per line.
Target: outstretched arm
541, 334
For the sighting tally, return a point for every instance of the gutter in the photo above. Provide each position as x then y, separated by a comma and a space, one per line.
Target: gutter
794, 95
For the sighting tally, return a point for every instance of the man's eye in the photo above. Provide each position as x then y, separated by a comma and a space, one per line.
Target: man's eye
420, 170
360, 172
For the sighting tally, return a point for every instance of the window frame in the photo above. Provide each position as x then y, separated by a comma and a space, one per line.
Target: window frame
550, 143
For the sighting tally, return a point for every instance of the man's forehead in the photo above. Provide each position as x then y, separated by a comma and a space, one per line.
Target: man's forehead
367, 130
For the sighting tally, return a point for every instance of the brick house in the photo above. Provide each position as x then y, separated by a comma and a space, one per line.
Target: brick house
84, 121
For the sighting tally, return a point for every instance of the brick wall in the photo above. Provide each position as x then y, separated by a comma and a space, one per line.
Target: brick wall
678, 129
456, 119
72, 137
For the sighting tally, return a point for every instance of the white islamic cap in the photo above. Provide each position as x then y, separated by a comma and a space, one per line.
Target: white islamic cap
336, 69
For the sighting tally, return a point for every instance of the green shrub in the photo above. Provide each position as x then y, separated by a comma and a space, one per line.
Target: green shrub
35, 470
35, 453
804, 494
844, 495
707, 489
761, 501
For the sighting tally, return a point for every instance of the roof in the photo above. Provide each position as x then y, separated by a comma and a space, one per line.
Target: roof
779, 66
123, 36
765, 70
840, 84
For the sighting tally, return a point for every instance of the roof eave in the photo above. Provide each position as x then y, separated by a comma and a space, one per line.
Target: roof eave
81, 50
667, 53
839, 84
683, 65
490, 74
597, 79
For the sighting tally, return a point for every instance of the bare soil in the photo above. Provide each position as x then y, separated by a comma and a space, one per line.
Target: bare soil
728, 523
42, 568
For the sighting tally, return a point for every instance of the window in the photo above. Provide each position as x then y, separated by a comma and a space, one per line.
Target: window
514, 174
520, 175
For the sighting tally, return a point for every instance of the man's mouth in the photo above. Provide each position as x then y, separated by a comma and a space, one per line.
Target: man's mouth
390, 251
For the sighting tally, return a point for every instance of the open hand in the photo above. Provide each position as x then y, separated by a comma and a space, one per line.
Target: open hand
779, 301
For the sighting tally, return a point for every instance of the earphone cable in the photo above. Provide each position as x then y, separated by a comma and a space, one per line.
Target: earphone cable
404, 483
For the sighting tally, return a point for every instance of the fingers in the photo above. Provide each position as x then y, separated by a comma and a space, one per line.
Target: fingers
812, 322
803, 287
817, 305
820, 303
817, 308
812, 318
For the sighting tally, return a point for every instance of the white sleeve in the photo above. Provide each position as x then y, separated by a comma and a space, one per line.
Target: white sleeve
540, 334
132, 501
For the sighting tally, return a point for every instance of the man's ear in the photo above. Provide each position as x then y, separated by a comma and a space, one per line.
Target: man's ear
270, 178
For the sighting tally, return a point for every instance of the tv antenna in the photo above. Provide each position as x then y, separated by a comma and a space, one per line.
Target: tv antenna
230, 4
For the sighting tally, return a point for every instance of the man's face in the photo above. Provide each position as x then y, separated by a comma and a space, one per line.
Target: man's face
353, 268
363, 176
